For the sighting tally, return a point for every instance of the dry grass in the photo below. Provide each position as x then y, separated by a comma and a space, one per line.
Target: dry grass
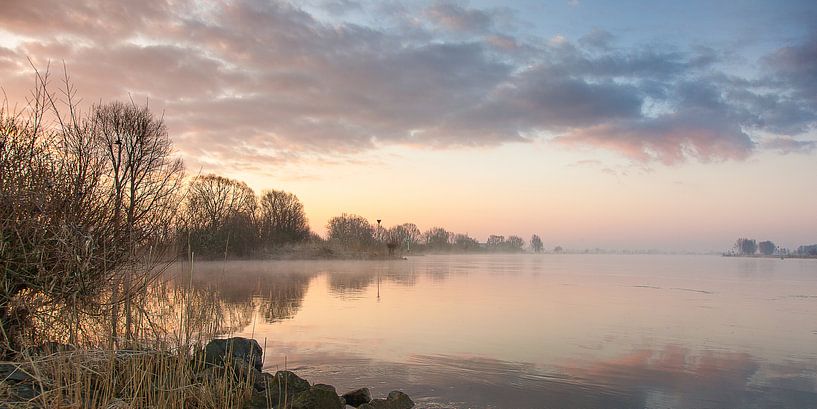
149, 378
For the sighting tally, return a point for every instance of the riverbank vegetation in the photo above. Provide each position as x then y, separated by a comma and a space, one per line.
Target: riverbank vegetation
752, 248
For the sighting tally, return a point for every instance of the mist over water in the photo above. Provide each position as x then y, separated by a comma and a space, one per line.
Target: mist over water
532, 331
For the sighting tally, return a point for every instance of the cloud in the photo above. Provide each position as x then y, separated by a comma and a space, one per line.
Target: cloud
270, 82
597, 38
671, 139
455, 17
788, 145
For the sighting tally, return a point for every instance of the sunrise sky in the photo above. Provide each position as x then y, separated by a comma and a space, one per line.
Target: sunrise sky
613, 124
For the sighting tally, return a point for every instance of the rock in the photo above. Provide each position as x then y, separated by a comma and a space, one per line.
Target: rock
291, 381
13, 373
235, 349
258, 400
396, 400
318, 397
279, 388
25, 392
357, 397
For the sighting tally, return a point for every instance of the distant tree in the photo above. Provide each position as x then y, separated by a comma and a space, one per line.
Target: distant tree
746, 247
220, 217
281, 219
464, 242
766, 248
558, 249
406, 235
807, 250
536, 243
515, 243
351, 231
438, 238
495, 242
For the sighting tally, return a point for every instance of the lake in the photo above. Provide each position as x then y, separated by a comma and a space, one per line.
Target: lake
537, 331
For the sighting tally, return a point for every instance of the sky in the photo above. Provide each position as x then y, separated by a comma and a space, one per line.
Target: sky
673, 125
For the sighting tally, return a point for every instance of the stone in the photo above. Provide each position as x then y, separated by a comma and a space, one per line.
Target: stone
291, 381
218, 351
258, 400
279, 388
395, 400
318, 397
13, 373
357, 397
25, 392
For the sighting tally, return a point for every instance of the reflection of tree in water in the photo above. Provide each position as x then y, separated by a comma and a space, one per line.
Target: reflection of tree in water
191, 313
356, 278
347, 283
276, 288
165, 310
282, 295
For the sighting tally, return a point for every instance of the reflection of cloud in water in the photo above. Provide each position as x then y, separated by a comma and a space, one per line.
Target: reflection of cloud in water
672, 377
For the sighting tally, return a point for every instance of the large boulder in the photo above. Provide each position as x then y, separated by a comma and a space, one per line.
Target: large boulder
276, 391
219, 351
281, 387
395, 400
357, 397
318, 397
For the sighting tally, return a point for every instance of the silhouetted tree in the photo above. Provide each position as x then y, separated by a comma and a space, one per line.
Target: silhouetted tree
807, 250
536, 243
514, 243
281, 219
220, 217
495, 242
746, 247
351, 231
766, 248
143, 179
437, 238
406, 235
464, 242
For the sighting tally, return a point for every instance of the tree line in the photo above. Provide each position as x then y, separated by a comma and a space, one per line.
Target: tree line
750, 247
357, 233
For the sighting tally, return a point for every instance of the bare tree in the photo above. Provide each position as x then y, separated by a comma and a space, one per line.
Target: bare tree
515, 243
65, 234
464, 242
144, 180
406, 235
281, 218
438, 238
536, 243
766, 248
746, 247
351, 231
220, 217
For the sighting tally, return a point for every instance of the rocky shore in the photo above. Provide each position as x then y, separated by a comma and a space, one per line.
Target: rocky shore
237, 360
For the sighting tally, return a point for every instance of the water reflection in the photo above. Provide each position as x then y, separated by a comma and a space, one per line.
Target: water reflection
555, 331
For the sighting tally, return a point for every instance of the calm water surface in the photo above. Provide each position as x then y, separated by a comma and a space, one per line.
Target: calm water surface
539, 331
